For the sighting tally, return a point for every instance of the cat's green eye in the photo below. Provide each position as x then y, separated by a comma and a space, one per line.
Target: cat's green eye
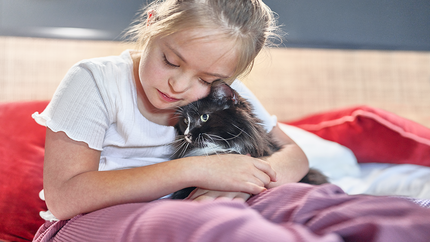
204, 117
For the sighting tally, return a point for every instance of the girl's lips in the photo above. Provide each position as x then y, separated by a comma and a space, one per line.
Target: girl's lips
167, 98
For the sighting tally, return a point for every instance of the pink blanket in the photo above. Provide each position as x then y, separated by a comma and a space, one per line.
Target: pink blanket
292, 212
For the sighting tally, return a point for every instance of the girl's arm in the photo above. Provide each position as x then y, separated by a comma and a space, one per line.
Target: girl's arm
73, 184
289, 163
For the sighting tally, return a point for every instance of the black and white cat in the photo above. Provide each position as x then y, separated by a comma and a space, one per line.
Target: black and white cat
223, 122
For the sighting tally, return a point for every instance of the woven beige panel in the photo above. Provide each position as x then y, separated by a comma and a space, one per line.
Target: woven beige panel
31, 68
292, 83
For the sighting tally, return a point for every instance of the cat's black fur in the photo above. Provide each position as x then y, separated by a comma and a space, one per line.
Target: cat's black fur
223, 122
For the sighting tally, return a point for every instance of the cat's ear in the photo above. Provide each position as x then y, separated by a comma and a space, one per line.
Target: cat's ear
222, 91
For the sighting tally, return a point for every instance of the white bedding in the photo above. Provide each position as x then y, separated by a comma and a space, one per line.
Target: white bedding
389, 179
339, 164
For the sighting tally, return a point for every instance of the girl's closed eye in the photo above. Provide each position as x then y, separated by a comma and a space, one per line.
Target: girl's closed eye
167, 62
204, 82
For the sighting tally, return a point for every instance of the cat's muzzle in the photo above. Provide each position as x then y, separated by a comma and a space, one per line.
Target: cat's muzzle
188, 138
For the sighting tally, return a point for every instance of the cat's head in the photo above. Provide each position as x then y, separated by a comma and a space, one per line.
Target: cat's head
216, 119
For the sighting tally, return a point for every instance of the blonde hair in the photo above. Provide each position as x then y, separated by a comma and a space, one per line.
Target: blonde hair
249, 23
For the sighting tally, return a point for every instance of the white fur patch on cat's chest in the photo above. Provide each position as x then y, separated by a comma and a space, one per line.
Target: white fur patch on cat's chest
211, 149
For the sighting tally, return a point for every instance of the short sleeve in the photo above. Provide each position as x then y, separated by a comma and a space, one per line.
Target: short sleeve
77, 108
269, 121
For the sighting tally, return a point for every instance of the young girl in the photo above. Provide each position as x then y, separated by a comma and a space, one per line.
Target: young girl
110, 123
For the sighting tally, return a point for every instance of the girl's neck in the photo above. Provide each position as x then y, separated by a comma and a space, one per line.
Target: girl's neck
162, 117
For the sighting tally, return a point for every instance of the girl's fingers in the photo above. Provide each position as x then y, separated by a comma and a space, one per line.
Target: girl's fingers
197, 193
242, 197
207, 195
252, 188
233, 172
266, 168
263, 178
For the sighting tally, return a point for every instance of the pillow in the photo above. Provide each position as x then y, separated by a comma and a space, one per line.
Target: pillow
332, 159
21, 163
373, 135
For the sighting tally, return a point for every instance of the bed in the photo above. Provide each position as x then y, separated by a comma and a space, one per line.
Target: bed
365, 129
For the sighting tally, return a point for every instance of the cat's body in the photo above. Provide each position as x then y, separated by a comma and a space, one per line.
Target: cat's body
223, 122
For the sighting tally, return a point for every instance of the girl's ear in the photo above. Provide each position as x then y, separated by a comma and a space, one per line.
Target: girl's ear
151, 16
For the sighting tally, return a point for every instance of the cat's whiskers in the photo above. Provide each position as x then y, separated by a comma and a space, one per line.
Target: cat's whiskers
214, 137
241, 130
177, 140
234, 136
200, 140
180, 148
175, 117
213, 152
186, 144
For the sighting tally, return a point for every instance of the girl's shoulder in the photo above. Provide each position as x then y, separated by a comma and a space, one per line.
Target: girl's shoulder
111, 75
112, 63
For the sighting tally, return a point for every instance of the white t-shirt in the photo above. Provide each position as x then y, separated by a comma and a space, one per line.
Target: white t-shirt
96, 103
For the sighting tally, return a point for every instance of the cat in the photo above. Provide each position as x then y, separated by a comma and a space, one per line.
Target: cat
224, 122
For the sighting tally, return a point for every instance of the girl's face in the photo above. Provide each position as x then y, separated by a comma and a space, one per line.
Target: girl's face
179, 69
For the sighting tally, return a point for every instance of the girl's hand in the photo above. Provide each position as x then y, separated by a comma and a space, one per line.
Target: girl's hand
232, 173
207, 195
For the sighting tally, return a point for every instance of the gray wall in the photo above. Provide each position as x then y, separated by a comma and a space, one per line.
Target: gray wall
359, 24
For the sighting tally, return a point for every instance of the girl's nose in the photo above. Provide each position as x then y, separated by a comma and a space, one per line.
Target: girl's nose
180, 83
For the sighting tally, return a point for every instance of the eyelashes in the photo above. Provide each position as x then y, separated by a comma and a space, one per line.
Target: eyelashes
204, 82
168, 63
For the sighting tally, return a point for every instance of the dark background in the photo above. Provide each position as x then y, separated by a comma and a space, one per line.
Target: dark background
343, 24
